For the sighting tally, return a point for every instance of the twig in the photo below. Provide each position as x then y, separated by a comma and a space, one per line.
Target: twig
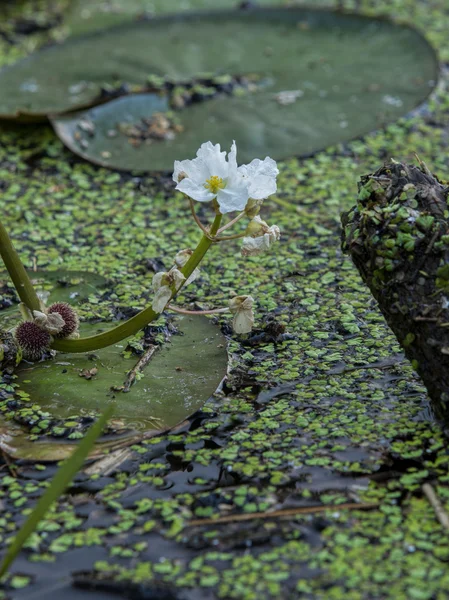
110, 463
434, 501
139, 367
9, 464
288, 512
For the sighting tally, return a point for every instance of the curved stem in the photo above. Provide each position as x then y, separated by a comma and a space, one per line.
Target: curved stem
197, 221
229, 237
16, 270
184, 311
231, 223
139, 321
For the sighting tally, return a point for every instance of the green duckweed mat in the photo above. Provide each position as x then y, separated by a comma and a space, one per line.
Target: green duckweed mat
325, 415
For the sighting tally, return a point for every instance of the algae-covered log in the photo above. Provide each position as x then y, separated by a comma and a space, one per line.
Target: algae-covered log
398, 237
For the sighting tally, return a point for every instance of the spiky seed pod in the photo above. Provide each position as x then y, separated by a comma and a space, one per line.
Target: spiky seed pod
70, 318
10, 354
32, 340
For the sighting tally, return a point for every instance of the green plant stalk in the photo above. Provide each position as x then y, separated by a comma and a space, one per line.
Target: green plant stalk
16, 270
61, 480
139, 321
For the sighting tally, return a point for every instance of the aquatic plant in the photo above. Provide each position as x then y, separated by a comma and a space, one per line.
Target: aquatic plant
210, 177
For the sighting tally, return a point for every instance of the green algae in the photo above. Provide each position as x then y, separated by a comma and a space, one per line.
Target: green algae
352, 425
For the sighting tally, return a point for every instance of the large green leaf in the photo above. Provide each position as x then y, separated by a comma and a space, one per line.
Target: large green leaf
178, 380
62, 285
353, 75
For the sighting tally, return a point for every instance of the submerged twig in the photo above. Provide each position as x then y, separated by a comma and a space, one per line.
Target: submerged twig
109, 463
288, 512
139, 367
436, 504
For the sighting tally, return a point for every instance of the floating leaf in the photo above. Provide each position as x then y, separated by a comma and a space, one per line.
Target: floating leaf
63, 286
89, 15
73, 287
324, 78
180, 377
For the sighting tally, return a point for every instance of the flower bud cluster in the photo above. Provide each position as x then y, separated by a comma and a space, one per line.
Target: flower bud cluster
35, 335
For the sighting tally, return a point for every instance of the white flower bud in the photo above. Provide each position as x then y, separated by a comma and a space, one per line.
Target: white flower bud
242, 309
253, 207
252, 246
162, 286
257, 227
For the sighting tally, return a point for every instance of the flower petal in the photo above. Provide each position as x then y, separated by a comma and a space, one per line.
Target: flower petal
194, 169
195, 190
234, 196
243, 322
213, 159
232, 159
157, 280
261, 176
161, 298
196, 273
177, 277
254, 246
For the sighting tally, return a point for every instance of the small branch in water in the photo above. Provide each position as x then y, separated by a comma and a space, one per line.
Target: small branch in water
184, 311
9, 464
434, 501
289, 512
109, 463
139, 367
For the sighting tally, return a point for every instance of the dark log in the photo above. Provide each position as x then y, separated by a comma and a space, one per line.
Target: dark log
398, 237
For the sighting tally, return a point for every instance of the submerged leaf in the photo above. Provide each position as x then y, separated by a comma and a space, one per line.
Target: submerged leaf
63, 477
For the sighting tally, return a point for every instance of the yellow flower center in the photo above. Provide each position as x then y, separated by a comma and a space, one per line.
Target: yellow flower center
214, 184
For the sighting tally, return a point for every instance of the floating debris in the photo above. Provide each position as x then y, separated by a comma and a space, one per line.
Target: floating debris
288, 97
161, 126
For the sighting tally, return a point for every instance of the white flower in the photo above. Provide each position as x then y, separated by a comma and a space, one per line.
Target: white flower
162, 286
180, 261
242, 309
260, 238
210, 176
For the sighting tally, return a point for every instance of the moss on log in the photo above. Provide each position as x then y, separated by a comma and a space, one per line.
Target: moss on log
398, 237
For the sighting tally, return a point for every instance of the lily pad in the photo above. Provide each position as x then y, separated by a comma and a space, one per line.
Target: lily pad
326, 77
180, 377
67, 286
63, 286
89, 15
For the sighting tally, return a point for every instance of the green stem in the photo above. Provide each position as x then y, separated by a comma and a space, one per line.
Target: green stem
139, 321
16, 270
